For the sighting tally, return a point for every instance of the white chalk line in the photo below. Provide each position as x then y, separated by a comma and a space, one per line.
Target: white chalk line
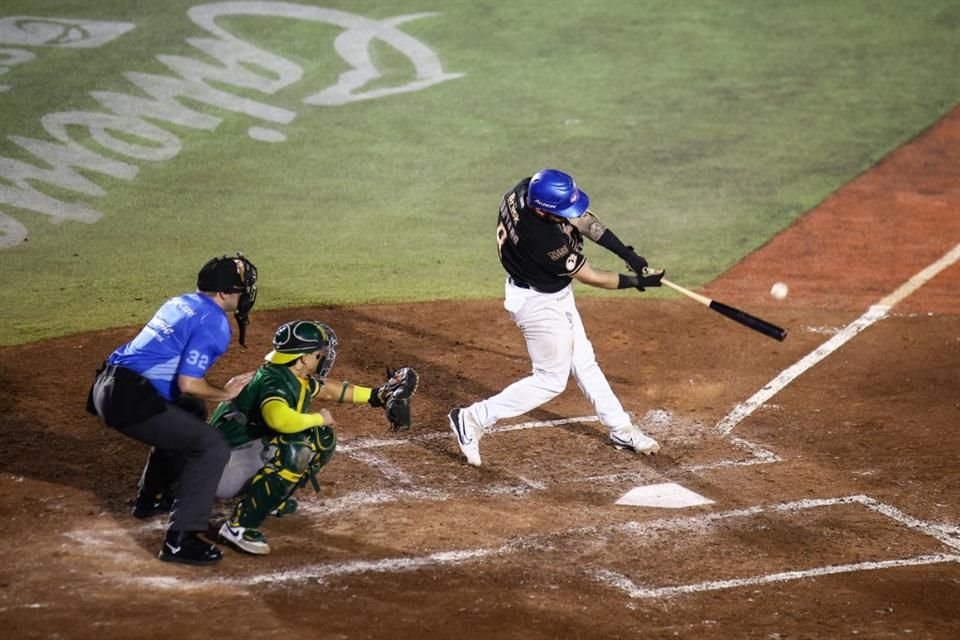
355, 448
626, 585
361, 499
386, 468
760, 454
26, 605
947, 534
376, 443
364, 498
873, 314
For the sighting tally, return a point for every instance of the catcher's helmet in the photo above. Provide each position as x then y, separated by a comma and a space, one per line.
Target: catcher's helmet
300, 337
555, 192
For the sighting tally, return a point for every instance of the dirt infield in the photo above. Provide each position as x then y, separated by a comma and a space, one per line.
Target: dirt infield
830, 460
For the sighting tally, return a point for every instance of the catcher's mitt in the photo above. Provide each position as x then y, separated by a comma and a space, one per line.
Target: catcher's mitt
394, 396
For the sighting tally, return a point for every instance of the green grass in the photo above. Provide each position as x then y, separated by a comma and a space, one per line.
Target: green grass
700, 129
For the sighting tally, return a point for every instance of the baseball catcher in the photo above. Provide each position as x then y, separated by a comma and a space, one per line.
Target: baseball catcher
278, 443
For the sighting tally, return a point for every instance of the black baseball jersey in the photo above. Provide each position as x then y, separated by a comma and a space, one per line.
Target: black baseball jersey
536, 253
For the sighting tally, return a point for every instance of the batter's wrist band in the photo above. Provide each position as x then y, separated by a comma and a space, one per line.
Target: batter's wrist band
361, 395
627, 282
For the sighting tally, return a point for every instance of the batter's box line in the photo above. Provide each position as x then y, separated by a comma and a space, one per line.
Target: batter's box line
626, 585
876, 312
947, 534
759, 454
446, 434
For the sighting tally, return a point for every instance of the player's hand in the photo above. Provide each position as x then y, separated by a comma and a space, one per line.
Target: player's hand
636, 263
648, 277
328, 420
236, 384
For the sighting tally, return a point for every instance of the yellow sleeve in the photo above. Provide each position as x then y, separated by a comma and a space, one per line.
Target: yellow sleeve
361, 395
279, 416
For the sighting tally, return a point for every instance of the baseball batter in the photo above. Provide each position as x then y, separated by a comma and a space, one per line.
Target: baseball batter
540, 230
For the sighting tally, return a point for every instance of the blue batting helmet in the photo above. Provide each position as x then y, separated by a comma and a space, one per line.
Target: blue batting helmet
555, 192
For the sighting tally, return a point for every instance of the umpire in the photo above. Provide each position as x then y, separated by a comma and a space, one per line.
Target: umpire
153, 388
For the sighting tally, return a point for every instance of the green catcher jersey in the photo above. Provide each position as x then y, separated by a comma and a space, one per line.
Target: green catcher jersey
241, 420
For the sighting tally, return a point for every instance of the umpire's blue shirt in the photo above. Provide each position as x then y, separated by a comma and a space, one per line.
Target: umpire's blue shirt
184, 337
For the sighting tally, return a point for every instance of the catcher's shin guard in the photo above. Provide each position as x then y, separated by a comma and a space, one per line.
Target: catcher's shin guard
266, 492
296, 456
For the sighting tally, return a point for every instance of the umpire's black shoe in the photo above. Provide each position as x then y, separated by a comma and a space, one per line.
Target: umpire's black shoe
188, 548
148, 506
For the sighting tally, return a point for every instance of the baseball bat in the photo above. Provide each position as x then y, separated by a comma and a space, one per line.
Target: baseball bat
757, 324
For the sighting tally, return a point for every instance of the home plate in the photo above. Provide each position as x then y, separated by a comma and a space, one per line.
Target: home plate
668, 495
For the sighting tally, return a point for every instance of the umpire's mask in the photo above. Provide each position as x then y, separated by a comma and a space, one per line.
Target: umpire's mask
232, 275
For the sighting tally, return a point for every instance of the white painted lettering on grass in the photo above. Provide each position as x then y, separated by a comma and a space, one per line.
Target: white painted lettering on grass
876, 312
31, 31
124, 130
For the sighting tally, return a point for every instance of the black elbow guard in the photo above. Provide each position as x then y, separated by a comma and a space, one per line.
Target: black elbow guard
612, 243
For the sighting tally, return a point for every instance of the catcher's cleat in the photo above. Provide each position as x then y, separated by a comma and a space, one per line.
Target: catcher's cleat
245, 539
631, 437
147, 507
468, 437
186, 547
286, 507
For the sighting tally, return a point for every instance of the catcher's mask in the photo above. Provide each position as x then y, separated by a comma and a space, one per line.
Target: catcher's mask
232, 275
300, 337
555, 192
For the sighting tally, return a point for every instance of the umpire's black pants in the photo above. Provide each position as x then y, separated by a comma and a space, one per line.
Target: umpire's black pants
203, 453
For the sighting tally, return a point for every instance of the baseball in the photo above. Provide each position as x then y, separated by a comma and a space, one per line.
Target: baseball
779, 290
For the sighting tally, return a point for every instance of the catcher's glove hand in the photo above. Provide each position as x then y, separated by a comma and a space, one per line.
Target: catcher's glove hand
394, 396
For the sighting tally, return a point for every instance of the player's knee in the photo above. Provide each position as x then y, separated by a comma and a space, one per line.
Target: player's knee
552, 382
294, 453
216, 449
305, 452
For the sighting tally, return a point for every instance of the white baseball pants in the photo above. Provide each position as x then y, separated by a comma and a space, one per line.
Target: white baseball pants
558, 346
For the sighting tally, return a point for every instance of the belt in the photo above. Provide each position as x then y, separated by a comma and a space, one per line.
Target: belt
519, 283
